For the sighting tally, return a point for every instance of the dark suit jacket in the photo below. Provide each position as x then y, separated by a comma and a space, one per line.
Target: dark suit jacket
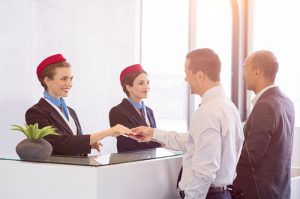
267, 149
125, 114
65, 144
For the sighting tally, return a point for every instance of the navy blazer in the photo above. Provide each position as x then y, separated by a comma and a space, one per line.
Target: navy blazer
126, 114
67, 143
263, 170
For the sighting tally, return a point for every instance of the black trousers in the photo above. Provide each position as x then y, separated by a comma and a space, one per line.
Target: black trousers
219, 195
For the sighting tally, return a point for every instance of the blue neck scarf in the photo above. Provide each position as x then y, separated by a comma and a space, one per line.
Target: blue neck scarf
58, 102
139, 106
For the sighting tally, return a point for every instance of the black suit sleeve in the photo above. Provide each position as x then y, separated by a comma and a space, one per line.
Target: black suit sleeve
259, 132
64, 144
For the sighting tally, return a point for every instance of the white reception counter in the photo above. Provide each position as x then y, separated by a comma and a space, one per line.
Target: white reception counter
150, 174
143, 174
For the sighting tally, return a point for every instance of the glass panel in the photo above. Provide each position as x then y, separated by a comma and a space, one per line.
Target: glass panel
163, 50
277, 31
107, 159
214, 30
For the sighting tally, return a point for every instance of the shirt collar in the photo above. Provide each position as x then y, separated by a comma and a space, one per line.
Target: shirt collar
210, 93
136, 104
53, 100
259, 94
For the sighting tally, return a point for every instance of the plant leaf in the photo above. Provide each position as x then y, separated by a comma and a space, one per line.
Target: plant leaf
33, 131
47, 130
21, 129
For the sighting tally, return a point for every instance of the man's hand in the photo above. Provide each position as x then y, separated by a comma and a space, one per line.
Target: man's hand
142, 134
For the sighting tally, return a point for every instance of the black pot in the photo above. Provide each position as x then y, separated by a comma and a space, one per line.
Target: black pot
36, 150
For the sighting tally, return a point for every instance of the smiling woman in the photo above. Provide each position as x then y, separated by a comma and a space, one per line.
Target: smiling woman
55, 75
132, 112
61, 84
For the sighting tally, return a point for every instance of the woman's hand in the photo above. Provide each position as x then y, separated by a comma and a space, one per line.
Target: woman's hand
114, 131
119, 129
97, 146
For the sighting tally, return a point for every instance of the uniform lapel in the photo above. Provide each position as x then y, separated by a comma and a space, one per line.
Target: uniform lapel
133, 114
60, 122
151, 119
73, 115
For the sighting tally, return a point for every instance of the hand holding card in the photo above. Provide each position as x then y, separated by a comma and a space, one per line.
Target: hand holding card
138, 138
142, 134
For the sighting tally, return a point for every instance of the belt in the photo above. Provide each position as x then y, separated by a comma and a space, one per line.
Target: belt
181, 194
210, 191
216, 189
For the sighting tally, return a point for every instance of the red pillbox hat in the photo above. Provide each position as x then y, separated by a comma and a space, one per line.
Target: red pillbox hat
53, 59
130, 69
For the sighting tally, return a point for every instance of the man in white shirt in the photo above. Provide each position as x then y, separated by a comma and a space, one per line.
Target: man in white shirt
263, 170
214, 141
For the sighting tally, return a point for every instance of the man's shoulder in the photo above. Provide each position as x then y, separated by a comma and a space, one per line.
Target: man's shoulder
272, 94
218, 104
275, 98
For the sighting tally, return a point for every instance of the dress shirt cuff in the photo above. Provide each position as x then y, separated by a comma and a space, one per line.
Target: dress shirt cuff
160, 135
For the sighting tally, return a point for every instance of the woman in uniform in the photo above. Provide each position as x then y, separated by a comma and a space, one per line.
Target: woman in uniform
132, 112
55, 75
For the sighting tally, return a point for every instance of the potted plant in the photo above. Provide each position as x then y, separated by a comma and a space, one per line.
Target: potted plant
34, 147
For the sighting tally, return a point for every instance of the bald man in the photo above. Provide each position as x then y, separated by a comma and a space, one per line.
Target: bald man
263, 170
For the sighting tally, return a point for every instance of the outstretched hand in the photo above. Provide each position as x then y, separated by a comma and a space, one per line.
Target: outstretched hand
142, 134
114, 131
119, 129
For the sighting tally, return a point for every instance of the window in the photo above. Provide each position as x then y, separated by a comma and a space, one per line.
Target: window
214, 30
164, 44
277, 31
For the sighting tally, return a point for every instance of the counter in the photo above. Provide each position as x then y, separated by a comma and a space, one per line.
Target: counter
142, 174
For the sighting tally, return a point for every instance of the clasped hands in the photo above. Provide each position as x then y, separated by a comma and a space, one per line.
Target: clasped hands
140, 134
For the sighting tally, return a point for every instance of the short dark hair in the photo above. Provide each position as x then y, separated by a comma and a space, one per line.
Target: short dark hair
128, 80
207, 61
267, 62
49, 72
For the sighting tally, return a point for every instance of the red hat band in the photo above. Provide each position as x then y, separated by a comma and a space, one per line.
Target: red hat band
48, 61
130, 69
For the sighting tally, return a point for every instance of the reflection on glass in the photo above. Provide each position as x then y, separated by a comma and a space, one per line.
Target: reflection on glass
115, 158
106, 159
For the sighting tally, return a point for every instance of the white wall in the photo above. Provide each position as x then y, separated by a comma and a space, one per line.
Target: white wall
98, 37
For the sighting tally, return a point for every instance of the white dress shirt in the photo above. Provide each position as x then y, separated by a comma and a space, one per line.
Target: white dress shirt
212, 145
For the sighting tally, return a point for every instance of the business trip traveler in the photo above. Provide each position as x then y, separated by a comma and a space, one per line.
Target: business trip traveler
264, 168
214, 141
